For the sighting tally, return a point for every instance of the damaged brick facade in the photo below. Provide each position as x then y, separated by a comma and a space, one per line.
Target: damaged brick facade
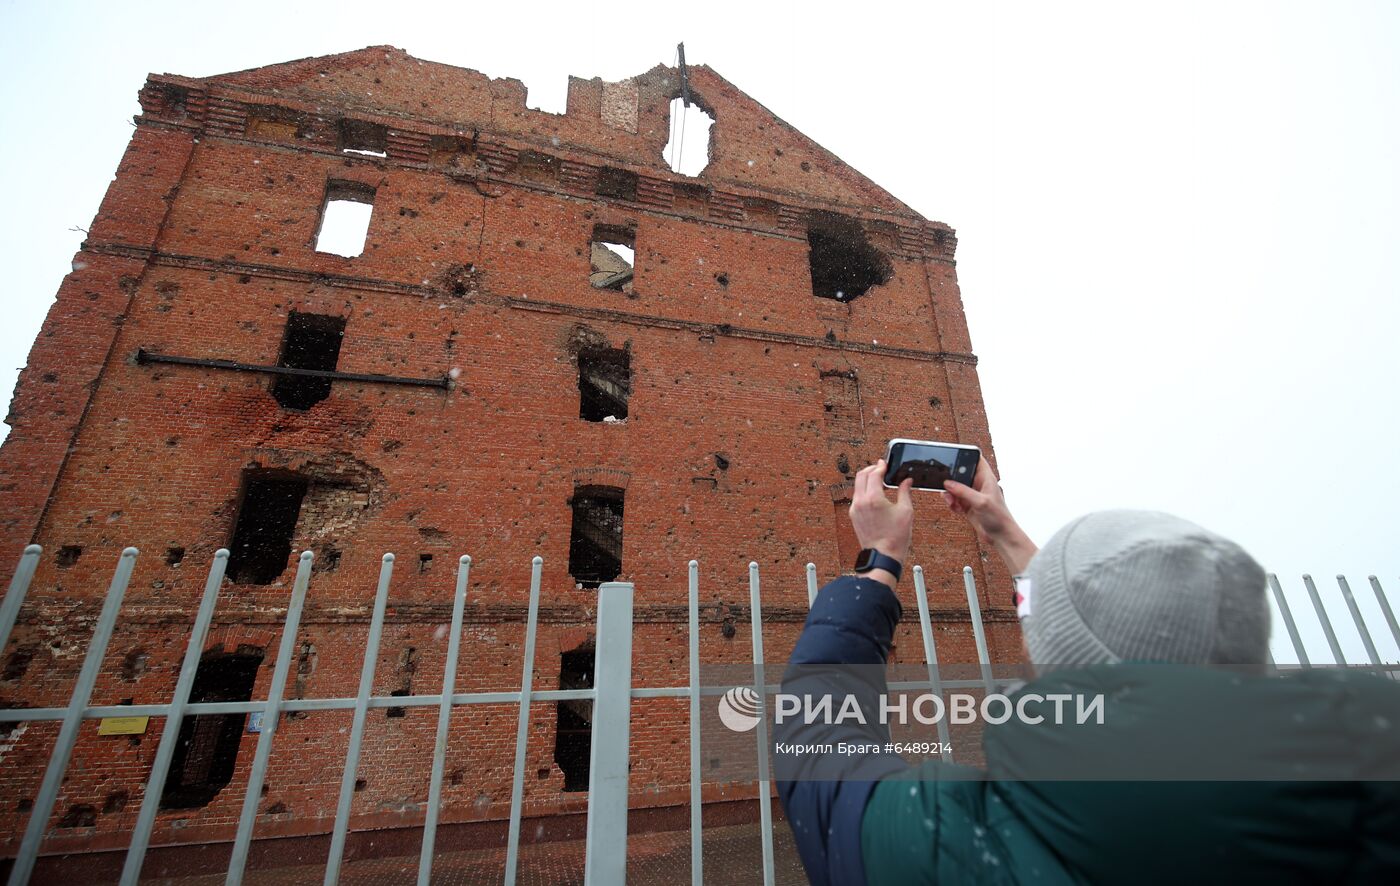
759, 371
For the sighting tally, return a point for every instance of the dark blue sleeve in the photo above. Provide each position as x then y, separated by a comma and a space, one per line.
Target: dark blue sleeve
851, 622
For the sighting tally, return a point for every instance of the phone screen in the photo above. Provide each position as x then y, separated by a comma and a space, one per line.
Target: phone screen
930, 464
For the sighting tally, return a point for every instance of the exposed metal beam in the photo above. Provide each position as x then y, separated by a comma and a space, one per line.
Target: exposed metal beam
144, 356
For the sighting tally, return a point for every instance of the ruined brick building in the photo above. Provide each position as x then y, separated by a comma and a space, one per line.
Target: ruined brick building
546, 342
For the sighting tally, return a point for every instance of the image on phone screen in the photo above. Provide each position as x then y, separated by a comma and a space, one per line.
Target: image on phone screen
930, 464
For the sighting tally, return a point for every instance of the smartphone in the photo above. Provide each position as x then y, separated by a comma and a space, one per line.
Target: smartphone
930, 463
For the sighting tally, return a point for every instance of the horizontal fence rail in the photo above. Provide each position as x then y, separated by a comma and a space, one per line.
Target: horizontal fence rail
605, 847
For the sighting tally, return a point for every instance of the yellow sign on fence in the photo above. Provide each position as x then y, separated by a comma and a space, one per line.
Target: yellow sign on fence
123, 725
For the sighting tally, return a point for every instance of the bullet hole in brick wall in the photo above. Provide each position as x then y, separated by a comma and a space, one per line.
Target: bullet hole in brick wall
363, 137
844, 263
277, 808
424, 562
843, 464
620, 184
327, 559
17, 663
455, 778
604, 384
727, 629
360, 785
935, 402
721, 462
115, 802
68, 555
573, 736
687, 151
174, 556
722, 280
841, 405
134, 665
81, 815
595, 541
612, 257
174, 101
345, 216
262, 534
311, 341
208, 744
459, 281
542, 774
397, 712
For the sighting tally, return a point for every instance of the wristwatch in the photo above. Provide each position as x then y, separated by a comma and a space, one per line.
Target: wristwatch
870, 558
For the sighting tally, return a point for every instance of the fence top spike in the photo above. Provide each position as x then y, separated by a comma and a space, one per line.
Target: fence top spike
694, 564
537, 561
306, 556
753, 564
130, 552
33, 549
387, 558
465, 559
1370, 578
967, 570
918, 570
1307, 576
1341, 577
221, 554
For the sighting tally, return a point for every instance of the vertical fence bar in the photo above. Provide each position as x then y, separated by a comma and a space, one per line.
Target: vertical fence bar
765, 800
811, 584
978, 632
935, 680
449, 686
697, 863
522, 730
1326, 622
170, 735
1360, 623
1386, 610
272, 712
1288, 622
19, 586
72, 720
605, 845
357, 723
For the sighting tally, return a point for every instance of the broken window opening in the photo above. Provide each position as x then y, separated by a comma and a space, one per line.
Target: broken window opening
312, 341
208, 744
688, 150
841, 405
363, 137
620, 184
612, 258
267, 519
604, 384
573, 735
595, 541
844, 263
345, 216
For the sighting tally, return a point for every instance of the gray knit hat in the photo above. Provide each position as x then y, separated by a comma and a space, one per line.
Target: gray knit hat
1142, 586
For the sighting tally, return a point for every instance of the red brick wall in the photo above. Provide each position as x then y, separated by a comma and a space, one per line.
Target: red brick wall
205, 243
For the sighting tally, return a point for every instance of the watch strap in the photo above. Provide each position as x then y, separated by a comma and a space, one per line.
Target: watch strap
870, 558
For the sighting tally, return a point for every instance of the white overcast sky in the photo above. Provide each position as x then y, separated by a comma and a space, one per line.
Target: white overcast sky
1177, 222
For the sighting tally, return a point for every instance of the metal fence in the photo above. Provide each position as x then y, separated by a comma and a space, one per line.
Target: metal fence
606, 835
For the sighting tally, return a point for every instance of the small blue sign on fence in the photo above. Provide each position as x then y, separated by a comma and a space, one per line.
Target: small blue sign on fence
255, 721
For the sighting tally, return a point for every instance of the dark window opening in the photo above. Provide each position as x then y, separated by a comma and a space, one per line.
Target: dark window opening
619, 184
408, 667
844, 263
595, 542
425, 562
345, 216
262, 534
604, 384
208, 744
841, 405
68, 555
312, 341
573, 737
612, 257
363, 137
